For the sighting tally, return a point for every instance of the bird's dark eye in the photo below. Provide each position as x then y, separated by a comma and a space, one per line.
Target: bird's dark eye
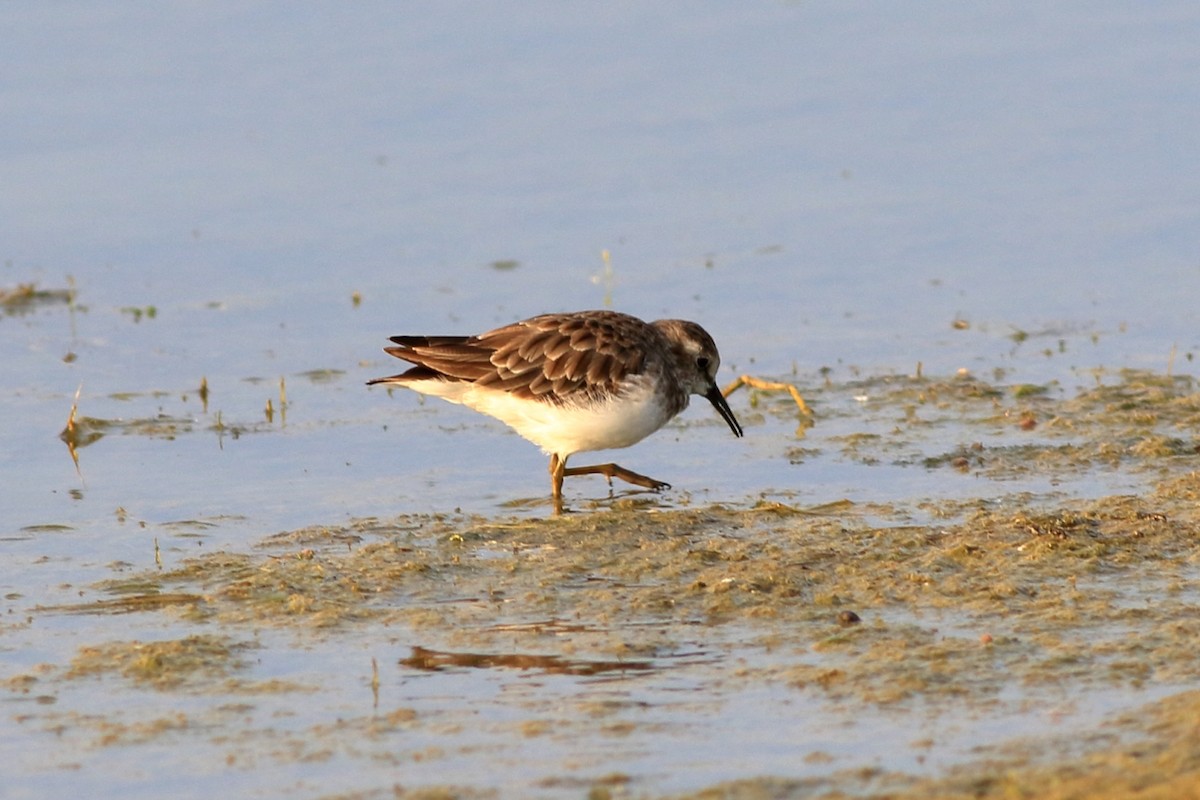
702, 362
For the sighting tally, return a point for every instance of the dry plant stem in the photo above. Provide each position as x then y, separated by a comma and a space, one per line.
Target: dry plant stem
758, 383
70, 435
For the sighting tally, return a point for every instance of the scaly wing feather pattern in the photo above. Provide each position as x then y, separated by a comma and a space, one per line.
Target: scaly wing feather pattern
556, 358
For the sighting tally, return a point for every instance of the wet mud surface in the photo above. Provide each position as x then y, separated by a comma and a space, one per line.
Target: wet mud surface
1010, 644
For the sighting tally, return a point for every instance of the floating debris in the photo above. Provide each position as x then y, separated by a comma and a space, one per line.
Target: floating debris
25, 297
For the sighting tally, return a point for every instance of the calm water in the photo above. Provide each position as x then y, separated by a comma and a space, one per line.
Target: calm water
823, 185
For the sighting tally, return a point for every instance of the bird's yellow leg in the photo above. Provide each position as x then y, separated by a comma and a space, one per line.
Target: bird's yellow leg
751, 382
558, 467
611, 471
559, 470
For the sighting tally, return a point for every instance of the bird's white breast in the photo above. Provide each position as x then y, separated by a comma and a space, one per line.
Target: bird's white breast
624, 419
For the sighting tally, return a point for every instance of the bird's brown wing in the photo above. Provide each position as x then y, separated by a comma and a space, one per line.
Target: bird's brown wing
448, 358
564, 358
558, 358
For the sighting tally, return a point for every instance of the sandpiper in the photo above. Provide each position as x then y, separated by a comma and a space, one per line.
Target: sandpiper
572, 382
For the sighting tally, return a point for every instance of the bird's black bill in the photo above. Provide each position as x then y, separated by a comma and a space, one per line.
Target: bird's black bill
718, 400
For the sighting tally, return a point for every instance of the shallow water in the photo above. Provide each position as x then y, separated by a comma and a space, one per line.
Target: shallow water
257, 197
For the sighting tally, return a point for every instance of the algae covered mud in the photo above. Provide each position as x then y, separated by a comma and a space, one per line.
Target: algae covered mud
993, 639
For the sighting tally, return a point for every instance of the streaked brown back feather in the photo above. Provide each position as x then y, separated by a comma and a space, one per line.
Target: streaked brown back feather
557, 358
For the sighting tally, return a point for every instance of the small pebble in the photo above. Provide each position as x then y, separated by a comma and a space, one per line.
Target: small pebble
845, 618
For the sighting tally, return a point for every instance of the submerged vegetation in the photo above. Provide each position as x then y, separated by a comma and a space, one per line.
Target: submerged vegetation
963, 605
25, 297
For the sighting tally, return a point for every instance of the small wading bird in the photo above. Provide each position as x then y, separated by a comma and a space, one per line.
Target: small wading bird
573, 382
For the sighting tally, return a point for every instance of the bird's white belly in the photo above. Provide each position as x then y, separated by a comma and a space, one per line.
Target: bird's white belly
568, 429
